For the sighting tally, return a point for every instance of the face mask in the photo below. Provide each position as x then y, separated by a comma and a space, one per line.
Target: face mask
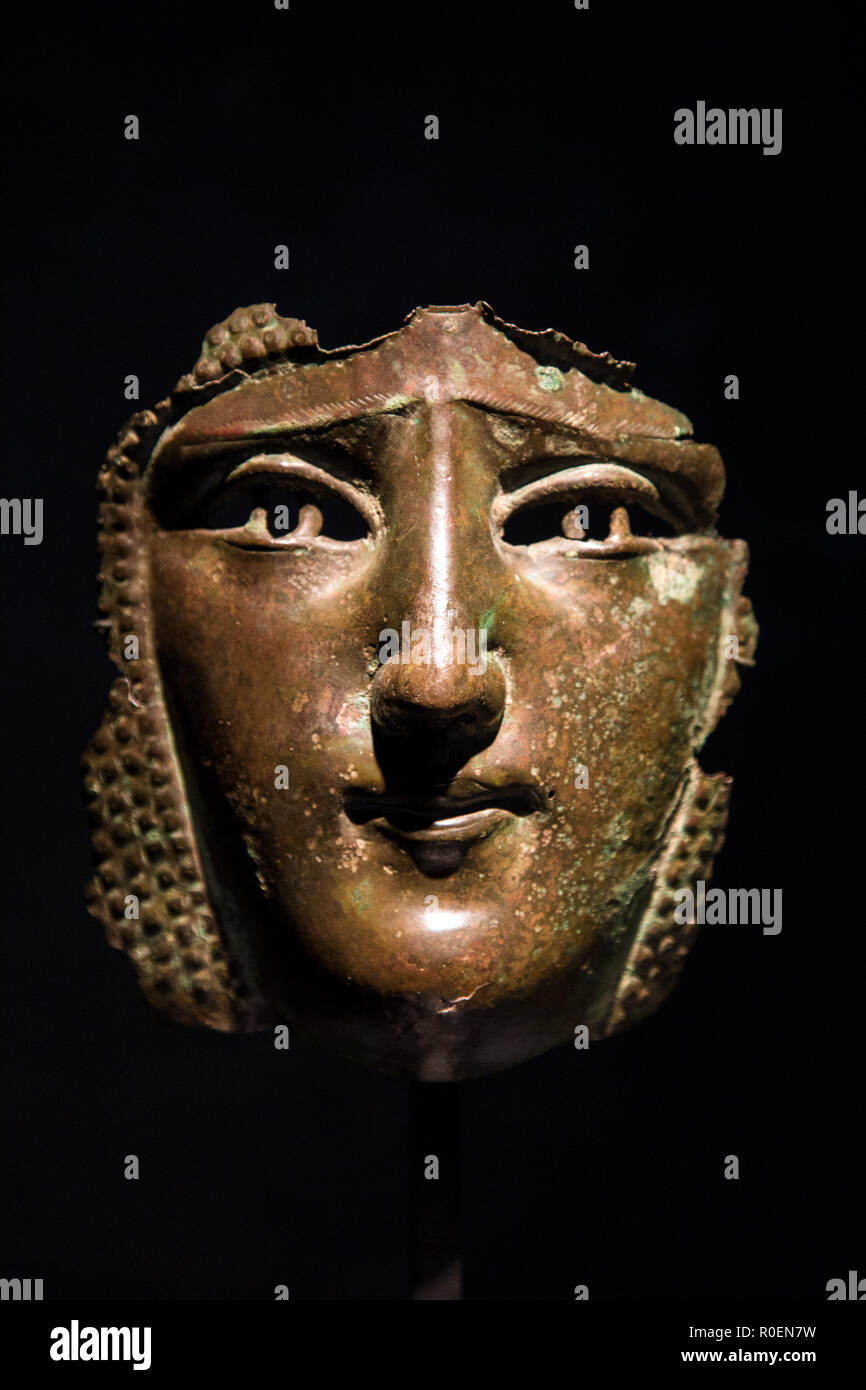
418, 642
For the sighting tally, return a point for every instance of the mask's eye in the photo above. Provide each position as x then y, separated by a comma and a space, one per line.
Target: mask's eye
269, 502
600, 509
582, 519
281, 510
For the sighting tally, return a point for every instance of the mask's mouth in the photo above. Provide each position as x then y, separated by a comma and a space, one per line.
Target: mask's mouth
437, 827
416, 811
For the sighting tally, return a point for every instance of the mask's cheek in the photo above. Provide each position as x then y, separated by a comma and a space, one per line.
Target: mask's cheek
612, 675
270, 696
663, 638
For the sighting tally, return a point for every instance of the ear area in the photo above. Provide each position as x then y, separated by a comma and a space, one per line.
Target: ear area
738, 638
665, 933
148, 889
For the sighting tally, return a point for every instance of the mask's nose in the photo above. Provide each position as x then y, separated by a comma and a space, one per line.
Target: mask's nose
444, 585
452, 687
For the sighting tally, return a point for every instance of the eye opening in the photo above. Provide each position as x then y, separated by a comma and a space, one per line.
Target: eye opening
283, 508
267, 502
596, 508
585, 518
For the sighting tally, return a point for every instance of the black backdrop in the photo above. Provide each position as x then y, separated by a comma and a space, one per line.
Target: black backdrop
306, 127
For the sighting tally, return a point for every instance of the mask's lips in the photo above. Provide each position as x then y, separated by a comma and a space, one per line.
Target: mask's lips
437, 827
418, 810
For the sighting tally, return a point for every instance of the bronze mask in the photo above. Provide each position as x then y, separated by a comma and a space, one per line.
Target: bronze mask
418, 643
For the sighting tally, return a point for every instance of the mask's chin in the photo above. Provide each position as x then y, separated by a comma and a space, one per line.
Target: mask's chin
443, 1031
430, 1035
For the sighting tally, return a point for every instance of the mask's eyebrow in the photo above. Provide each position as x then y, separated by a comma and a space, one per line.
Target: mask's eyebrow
341, 446
243, 418
332, 439
225, 420
548, 445
571, 461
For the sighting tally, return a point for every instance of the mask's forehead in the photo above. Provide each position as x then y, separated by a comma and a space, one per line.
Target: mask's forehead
450, 355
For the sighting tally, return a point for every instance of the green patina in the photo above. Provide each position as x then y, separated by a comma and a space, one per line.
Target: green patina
362, 896
550, 378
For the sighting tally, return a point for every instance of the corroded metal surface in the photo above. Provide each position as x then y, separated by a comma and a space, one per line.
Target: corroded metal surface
440, 865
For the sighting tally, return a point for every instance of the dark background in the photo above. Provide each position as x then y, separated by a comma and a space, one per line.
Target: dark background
556, 128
